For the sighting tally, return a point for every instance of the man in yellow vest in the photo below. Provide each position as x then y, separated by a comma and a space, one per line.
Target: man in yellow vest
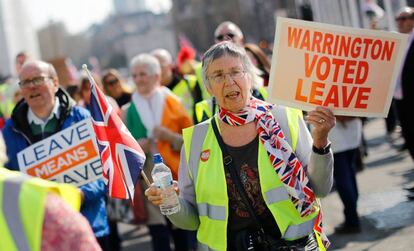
40, 215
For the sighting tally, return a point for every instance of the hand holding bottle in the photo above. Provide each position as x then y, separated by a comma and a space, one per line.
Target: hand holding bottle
165, 195
153, 193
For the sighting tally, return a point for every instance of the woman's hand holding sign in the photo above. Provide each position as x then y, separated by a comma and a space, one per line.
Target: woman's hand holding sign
323, 120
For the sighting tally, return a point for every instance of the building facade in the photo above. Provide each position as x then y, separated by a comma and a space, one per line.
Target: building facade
357, 13
122, 36
197, 19
16, 35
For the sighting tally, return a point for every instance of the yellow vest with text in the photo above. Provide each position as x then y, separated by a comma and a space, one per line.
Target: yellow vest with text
22, 208
205, 164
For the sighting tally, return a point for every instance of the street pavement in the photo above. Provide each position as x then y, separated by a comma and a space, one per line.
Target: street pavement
387, 217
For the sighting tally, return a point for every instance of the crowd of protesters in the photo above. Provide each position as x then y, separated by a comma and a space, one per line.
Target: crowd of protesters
164, 96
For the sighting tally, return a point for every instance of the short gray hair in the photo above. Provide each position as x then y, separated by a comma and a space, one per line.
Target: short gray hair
226, 49
148, 60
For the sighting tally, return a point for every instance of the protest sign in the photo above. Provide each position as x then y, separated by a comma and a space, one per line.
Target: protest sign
69, 156
352, 71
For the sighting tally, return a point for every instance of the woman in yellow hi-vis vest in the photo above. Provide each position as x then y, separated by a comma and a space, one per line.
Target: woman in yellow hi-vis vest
250, 176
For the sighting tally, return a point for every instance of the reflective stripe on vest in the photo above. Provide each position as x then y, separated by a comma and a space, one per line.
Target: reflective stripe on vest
211, 211
197, 141
204, 247
275, 195
22, 205
11, 210
303, 229
293, 231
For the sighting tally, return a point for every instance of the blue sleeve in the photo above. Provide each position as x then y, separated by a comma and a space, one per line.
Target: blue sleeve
94, 191
93, 207
77, 114
82, 112
14, 143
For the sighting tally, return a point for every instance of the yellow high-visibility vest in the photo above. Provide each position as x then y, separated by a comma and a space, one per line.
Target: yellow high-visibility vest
184, 90
212, 203
22, 208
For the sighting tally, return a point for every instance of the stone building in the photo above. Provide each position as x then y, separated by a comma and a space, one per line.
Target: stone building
197, 19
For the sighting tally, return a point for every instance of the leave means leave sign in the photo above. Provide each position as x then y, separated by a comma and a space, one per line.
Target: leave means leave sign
69, 156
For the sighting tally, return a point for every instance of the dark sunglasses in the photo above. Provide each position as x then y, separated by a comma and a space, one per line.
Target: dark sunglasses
221, 37
111, 82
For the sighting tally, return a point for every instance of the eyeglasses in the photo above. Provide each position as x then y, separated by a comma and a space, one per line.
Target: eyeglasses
111, 81
221, 77
37, 81
222, 36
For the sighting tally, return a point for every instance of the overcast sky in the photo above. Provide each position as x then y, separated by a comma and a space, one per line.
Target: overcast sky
77, 15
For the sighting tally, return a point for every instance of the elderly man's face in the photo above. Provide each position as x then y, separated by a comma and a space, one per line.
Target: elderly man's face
144, 81
405, 23
228, 33
38, 88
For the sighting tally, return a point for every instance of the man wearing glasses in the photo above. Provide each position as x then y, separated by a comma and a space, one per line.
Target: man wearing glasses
404, 91
45, 110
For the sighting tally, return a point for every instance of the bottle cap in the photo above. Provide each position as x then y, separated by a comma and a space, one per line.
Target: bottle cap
157, 158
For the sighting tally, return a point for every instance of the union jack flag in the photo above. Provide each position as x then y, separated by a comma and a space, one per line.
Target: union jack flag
121, 155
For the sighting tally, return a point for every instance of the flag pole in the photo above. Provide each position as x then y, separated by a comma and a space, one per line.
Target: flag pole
145, 178
85, 68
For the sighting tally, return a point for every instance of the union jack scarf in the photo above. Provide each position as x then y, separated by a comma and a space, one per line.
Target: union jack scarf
284, 160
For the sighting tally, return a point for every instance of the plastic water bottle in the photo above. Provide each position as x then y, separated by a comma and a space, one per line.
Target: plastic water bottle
162, 178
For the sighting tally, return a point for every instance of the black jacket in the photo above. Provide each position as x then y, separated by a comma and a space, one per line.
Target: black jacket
407, 76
